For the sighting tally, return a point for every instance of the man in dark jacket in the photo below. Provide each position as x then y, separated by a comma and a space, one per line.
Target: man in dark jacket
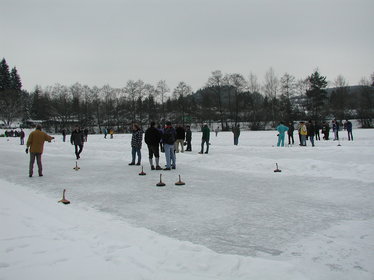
77, 139
325, 130
22, 137
188, 138
311, 130
205, 139
168, 138
180, 136
348, 127
236, 132
152, 138
290, 131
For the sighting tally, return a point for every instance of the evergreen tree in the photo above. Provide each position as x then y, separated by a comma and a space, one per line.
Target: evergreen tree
10, 94
4, 75
15, 80
316, 95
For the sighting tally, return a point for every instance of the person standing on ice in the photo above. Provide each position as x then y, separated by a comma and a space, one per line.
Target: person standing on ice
311, 131
317, 128
335, 129
152, 138
36, 144
281, 128
205, 139
348, 127
22, 137
290, 133
236, 131
188, 138
85, 131
77, 139
325, 130
181, 136
216, 130
136, 144
63, 132
303, 133
162, 133
168, 139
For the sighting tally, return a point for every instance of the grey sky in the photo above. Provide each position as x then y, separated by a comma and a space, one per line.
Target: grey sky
111, 41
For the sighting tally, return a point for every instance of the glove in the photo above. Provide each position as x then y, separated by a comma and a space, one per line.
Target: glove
27, 151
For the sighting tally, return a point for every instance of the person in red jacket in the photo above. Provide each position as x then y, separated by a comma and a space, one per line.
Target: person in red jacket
36, 144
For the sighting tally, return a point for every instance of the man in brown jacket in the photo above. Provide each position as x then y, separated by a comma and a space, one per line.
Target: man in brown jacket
36, 143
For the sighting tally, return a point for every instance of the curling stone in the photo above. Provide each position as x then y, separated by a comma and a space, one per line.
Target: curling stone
277, 169
142, 173
76, 168
180, 183
160, 184
64, 200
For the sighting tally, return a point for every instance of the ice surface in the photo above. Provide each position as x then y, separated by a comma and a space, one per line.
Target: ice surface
233, 202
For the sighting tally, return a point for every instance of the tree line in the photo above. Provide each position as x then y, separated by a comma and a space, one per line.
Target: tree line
226, 99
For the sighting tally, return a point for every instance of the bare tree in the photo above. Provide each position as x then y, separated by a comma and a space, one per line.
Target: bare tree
76, 92
215, 83
149, 93
131, 91
365, 103
161, 90
180, 93
238, 85
270, 88
288, 85
97, 105
109, 96
339, 98
340, 82
253, 84
61, 103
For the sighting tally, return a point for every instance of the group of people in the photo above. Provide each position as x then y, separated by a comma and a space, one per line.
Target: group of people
16, 133
109, 131
168, 140
311, 130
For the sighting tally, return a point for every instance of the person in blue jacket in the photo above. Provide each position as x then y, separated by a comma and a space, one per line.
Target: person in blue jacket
281, 128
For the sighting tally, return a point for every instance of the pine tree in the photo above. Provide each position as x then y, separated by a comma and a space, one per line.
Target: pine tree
15, 80
316, 95
10, 93
4, 75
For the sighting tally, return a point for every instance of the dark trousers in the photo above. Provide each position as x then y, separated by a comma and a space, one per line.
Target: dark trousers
38, 157
290, 139
202, 146
350, 135
189, 147
153, 151
78, 150
317, 135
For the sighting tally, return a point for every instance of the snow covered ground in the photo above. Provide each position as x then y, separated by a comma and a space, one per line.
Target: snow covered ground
234, 219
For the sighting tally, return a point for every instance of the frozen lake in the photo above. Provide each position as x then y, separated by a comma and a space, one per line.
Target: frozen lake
233, 202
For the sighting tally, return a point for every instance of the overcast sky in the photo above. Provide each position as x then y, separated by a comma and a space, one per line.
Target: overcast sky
98, 42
